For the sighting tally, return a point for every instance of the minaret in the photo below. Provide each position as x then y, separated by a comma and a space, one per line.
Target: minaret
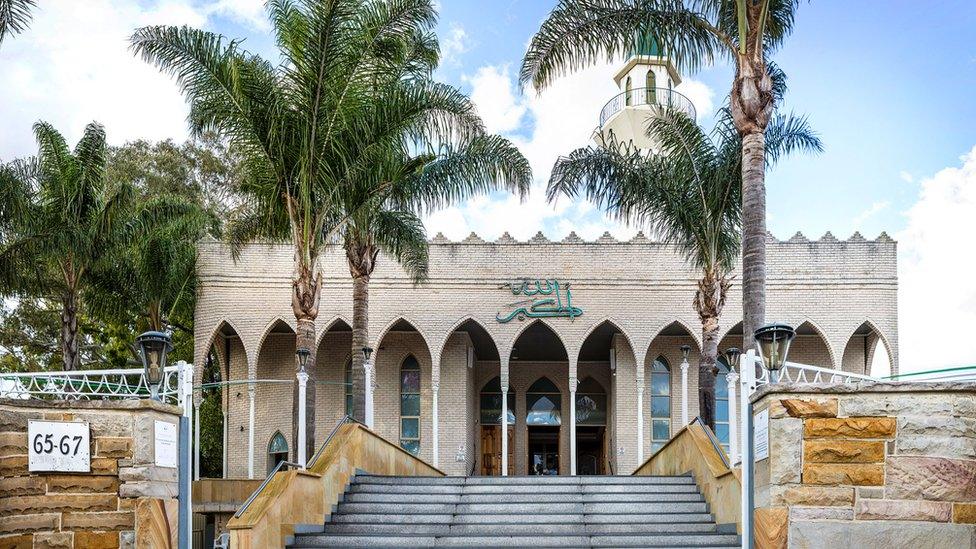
646, 82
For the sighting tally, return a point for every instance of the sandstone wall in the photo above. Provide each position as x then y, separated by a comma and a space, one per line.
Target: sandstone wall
126, 501
872, 465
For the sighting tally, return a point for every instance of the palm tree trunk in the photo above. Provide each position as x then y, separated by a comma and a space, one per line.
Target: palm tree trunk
360, 339
753, 236
709, 301
306, 291
70, 355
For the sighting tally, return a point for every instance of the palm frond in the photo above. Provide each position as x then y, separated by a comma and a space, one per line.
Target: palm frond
15, 16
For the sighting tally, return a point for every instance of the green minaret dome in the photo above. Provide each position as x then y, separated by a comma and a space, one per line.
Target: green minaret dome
646, 45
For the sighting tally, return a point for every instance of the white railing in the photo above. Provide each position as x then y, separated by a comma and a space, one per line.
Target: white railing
92, 384
793, 372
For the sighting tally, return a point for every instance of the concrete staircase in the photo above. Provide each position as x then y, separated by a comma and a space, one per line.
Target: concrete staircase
582, 511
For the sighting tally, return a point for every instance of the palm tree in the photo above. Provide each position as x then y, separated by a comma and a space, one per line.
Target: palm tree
389, 221
689, 193
299, 123
59, 223
14, 16
578, 33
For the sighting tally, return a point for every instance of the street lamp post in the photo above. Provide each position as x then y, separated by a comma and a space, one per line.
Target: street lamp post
732, 378
773, 344
153, 350
368, 371
302, 375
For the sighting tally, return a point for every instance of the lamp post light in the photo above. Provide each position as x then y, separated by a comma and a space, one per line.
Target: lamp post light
368, 372
685, 349
773, 344
153, 349
302, 353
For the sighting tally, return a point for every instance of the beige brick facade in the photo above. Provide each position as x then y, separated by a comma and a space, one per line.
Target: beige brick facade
841, 295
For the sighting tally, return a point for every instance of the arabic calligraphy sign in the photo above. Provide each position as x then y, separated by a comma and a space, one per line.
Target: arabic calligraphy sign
544, 299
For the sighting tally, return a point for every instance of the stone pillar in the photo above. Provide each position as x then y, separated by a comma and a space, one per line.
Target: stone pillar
434, 386
573, 382
640, 421
302, 376
196, 439
370, 382
250, 430
684, 393
505, 427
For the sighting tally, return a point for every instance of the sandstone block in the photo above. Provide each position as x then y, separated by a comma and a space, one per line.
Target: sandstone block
113, 447
856, 474
939, 426
843, 451
14, 420
771, 527
53, 540
939, 479
97, 540
777, 410
104, 466
823, 534
964, 406
819, 496
964, 513
887, 509
13, 443
107, 424
870, 493
12, 466
17, 541
924, 445
14, 524
821, 513
21, 486
147, 489
109, 520
127, 540
81, 484
158, 474
808, 408
58, 502
896, 405
850, 427
785, 446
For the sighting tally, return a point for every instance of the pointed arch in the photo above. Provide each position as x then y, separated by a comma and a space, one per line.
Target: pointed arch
809, 353
536, 325
659, 402
397, 324
410, 406
277, 450
277, 325
484, 336
543, 403
337, 323
591, 403
607, 321
866, 329
224, 328
490, 403
733, 330
675, 328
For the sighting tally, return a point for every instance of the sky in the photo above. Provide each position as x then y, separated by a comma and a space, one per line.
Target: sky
886, 83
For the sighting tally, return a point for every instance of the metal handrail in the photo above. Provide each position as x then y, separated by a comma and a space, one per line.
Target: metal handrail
654, 97
714, 440
278, 467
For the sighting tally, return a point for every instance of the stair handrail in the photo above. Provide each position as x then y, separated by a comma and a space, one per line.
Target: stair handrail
282, 464
714, 440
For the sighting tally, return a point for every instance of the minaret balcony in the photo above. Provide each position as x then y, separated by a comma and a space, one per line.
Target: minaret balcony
646, 99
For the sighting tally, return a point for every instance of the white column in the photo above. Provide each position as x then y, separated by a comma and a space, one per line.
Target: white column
505, 428
302, 435
684, 393
370, 385
572, 425
733, 378
434, 420
747, 373
196, 439
226, 431
250, 430
640, 422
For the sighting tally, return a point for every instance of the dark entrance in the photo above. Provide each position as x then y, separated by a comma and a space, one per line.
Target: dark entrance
543, 450
589, 450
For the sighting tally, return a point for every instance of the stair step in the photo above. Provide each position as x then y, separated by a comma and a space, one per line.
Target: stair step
496, 529
667, 540
537, 497
370, 488
533, 480
509, 518
542, 508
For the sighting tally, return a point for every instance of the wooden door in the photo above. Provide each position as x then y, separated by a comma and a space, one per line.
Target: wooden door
491, 450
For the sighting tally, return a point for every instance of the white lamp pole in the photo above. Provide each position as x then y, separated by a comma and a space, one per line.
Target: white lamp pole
370, 376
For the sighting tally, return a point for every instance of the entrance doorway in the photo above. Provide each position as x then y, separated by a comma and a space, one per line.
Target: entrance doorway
590, 450
491, 450
543, 450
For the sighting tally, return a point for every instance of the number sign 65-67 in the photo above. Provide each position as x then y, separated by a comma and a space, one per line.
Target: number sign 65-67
58, 446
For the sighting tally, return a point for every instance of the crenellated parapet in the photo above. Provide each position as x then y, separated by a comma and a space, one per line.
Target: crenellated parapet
828, 238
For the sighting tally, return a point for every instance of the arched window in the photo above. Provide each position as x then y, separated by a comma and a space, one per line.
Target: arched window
543, 401
348, 385
627, 89
491, 404
651, 87
591, 403
660, 403
410, 405
277, 450
722, 404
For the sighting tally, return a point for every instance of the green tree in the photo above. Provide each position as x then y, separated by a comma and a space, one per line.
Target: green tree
15, 15
578, 33
297, 122
388, 221
689, 193
59, 223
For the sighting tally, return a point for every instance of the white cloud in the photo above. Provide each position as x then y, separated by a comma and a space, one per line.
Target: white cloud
700, 96
493, 93
872, 211
935, 267
906, 177
454, 45
248, 12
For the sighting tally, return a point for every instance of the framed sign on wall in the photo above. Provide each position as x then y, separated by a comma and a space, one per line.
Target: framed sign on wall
58, 446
